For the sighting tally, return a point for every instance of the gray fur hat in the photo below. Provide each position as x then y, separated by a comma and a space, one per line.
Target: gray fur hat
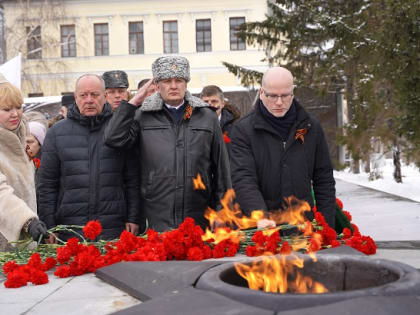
168, 67
115, 79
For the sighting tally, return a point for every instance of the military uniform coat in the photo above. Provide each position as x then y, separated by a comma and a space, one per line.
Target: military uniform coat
171, 155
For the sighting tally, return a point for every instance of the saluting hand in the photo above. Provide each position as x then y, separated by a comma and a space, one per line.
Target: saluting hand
141, 94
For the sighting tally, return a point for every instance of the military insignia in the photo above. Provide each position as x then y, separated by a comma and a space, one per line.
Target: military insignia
174, 67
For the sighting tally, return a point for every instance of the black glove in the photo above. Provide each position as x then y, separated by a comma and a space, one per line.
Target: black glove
37, 228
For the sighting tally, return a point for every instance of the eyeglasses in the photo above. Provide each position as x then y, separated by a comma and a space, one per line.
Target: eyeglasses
274, 97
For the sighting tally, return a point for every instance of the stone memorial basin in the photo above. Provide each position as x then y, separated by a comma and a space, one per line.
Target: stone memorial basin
345, 277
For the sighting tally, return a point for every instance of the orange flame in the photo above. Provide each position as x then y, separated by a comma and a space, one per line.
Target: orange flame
198, 183
278, 274
230, 215
221, 234
293, 214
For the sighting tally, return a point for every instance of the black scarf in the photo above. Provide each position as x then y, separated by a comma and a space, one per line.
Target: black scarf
281, 124
92, 122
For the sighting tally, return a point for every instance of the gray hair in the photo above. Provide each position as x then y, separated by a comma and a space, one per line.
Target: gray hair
90, 75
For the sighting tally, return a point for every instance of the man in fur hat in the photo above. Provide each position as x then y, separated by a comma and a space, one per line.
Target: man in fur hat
179, 137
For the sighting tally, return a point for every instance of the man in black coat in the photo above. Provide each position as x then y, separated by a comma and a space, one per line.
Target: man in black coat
178, 137
227, 114
279, 150
81, 179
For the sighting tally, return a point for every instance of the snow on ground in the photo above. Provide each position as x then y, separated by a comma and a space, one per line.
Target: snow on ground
409, 188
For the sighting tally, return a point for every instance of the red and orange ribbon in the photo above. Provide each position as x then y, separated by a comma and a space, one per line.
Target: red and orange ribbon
300, 134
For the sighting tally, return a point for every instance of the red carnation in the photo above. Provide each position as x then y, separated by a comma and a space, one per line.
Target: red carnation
347, 214
10, 266
251, 251
335, 243
346, 233
16, 279
195, 254
320, 218
226, 138
38, 277
339, 203
285, 248
259, 238
49, 263
92, 229
35, 261
62, 271
63, 254
37, 162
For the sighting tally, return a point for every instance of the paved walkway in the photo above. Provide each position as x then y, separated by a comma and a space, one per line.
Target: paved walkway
382, 216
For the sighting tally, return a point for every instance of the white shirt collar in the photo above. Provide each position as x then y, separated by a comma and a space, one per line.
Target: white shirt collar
175, 107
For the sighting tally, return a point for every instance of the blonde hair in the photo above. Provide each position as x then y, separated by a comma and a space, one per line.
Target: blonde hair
10, 96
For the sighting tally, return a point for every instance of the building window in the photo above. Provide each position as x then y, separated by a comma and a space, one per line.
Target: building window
236, 43
35, 94
101, 39
135, 38
170, 37
203, 35
68, 41
34, 42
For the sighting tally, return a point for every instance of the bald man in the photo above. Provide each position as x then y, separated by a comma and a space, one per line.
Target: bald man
279, 150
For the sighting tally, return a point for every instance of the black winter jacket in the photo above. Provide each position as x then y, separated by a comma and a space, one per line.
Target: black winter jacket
265, 170
81, 179
171, 155
229, 115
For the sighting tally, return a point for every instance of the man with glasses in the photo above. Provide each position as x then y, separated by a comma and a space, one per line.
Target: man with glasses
279, 150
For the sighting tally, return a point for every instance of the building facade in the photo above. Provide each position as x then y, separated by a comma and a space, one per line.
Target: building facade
61, 40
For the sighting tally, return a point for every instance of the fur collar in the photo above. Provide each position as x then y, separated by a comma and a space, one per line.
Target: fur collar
155, 102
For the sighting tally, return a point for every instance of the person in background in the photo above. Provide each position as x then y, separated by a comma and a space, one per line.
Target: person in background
178, 137
66, 101
34, 142
150, 90
116, 88
18, 216
37, 116
227, 114
81, 179
278, 151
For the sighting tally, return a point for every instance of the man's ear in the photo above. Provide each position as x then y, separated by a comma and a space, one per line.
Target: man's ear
261, 92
